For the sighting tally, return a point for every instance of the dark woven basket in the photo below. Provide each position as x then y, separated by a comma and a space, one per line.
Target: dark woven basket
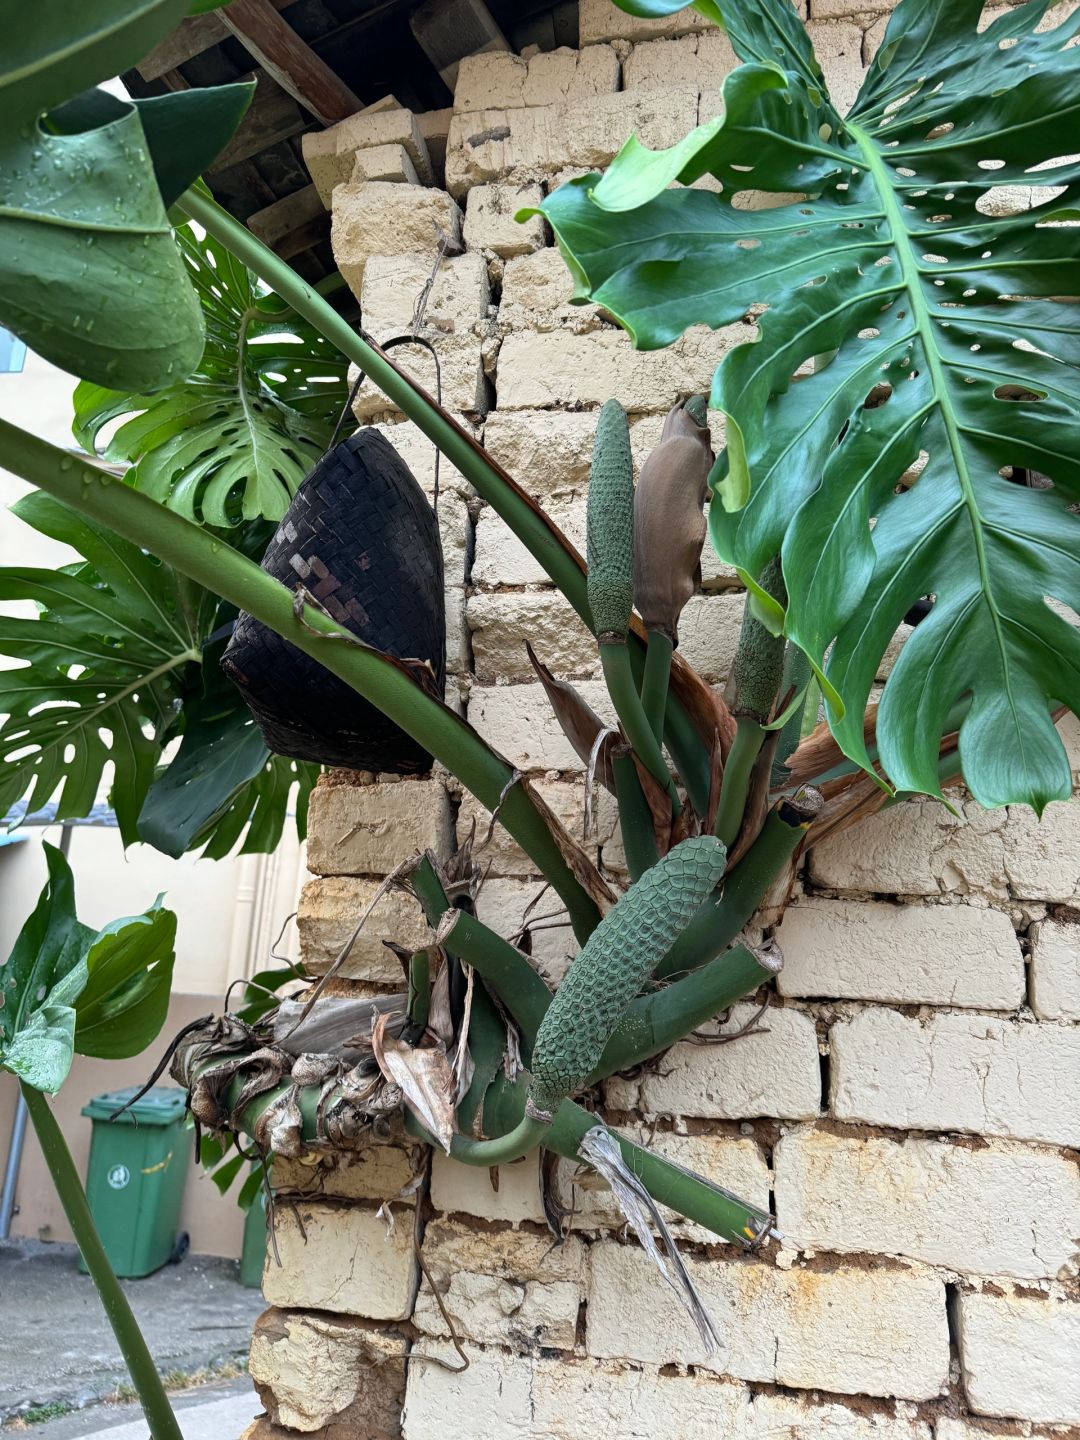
362, 538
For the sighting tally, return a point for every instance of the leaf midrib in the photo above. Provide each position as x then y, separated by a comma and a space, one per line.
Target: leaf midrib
924, 326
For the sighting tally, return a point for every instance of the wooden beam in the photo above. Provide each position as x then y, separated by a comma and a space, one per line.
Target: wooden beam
289, 60
272, 117
275, 223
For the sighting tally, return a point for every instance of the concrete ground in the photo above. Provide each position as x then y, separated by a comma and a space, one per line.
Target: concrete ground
59, 1349
211, 1412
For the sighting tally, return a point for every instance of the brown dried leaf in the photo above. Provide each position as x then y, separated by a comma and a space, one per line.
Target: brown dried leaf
583, 869
757, 799
580, 723
708, 711
819, 752
424, 1077
669, 522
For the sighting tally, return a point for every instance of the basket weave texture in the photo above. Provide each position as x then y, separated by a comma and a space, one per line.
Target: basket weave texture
362, 538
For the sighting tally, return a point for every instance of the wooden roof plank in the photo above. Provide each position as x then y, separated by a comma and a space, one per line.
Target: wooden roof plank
289, 60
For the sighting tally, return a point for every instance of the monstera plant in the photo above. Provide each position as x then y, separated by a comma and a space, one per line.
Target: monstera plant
901, 441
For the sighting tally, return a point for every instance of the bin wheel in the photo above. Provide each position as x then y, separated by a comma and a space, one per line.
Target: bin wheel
180, 1248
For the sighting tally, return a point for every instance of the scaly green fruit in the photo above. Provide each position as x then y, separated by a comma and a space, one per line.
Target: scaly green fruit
610, 530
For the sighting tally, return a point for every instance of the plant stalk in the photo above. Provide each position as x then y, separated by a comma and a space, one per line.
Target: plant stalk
619, 677
654, 682
378, 677
735, 786
722, 917
635, 817
65, 1177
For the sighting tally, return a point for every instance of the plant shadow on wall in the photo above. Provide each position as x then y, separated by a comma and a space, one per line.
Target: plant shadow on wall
915, 363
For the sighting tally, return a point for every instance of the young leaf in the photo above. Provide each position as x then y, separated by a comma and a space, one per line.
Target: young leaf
951, 345
232, 440
125, 1000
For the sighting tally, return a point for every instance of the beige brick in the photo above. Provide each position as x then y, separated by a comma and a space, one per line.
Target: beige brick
839, 1330
1020, 1356
328, 912
565, 1399
381, 218
774, 1073
394, 283
491, 80
536, 292
460, 370
1006, 1209
434, 126
501, 905
386, 127
368, 829
565, 74
325, 166
501, 855
500, 558
787, 1417
837, 9
958, 1072
518, 721
659, 64
838, 47
310, 1369
342, 1259
602, 20
467, 1190
1055, 970
562, 369
490, 222
709, 632
383, 162
733, 1163
909, 954
921, 849
499, 625
377, 1172
492, 143
502, 1287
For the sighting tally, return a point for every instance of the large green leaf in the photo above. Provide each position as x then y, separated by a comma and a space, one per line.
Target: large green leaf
222, 778
67, 989
89, 274
101, 674
233, 440
952, 347
110, 672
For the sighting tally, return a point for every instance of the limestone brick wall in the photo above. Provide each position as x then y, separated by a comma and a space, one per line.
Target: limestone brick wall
910, 1107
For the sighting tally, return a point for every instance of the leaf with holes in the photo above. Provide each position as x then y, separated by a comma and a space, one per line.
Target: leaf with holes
232, 441
941, 309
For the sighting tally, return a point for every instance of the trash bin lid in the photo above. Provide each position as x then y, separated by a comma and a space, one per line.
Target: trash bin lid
163, 1105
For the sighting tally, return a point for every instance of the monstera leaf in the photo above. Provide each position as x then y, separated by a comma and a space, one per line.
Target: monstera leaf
80, 208
115, 667
232, 441
944, 327
68, 990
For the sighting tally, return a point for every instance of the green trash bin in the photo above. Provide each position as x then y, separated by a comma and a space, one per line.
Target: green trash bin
253, 1256
135, 1182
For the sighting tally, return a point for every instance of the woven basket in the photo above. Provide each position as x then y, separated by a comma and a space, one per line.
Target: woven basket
362, 538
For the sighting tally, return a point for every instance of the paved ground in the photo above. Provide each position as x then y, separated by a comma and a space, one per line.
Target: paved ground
212, 1412
57, 1344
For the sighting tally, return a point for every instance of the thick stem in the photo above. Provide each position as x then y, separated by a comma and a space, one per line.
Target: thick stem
137, 1357
503, 968
540, 537
619, 677
721, 918
525, 1136
635, 817
735, 785
654, 683
379, 678
655, 1022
